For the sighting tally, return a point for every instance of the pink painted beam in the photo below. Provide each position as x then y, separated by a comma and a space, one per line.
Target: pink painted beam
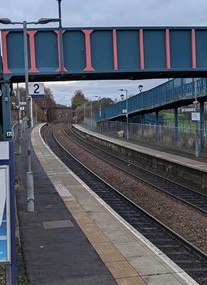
32, 51
87, 34
115, 51
4, 52
59, 52
193, 48
141, 48
167, 48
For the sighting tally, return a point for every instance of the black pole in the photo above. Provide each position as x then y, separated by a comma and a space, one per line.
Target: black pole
59, 11
61, 39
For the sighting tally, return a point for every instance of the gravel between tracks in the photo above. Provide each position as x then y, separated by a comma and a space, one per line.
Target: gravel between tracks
185, 220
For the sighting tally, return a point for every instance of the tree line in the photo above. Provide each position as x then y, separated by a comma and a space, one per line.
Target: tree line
47, 110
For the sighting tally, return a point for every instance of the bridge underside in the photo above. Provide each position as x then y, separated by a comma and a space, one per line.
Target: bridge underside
109, 76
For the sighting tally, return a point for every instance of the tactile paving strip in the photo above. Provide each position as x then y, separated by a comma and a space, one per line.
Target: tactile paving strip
63, 192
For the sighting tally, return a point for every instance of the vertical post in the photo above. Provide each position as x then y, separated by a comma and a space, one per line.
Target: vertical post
100, 108
142, 124
59, 13
91, 114
157, 125
196, 109
127, 116
202, 119
31, 112
84, 113
19, 147
61, 38
30, 182
175, 125
6, 111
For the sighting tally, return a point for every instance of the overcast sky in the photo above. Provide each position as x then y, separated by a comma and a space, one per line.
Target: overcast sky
105, 13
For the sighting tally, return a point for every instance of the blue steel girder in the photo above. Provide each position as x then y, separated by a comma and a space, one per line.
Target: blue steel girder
106, 53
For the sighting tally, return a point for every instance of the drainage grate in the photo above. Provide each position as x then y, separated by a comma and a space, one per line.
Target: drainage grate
57, 224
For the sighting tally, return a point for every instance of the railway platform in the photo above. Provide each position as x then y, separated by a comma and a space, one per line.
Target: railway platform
73, 237
189, 168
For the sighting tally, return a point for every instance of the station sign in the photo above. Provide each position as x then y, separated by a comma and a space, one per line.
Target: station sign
23, 103
36, 90
186, 110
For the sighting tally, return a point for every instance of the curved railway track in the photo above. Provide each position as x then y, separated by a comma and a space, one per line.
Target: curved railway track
176, 190
184, 254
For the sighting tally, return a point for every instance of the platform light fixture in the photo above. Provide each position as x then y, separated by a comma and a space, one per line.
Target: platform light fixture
127, 117
140, 87
99, 99
30, 181
122, 97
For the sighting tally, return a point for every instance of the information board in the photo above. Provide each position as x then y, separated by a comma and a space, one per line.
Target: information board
195, 116
5, 230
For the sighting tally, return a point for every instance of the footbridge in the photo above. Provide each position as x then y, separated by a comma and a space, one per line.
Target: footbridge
169, 95
173, 94
91, 53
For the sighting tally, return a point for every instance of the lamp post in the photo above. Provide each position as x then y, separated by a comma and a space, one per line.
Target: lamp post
61, 38
99, 99
30, 182
19, 147
140, 87
127, 117
197, 119
91, 113
59, 11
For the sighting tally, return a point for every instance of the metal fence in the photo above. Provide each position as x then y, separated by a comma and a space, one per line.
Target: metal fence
183, 138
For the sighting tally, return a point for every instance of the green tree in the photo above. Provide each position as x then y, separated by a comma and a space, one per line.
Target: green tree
78, 99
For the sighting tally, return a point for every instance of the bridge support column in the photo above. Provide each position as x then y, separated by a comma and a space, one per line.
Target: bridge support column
6, 112
142, 124
176, 126
202, 120
157, 125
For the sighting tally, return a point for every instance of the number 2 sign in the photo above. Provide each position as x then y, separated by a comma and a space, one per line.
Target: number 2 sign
36, 90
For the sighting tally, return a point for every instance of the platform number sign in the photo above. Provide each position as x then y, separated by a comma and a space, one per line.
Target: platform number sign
36, 90
8, 134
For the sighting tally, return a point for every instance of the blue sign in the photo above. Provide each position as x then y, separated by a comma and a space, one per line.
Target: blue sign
3, 239
5, 232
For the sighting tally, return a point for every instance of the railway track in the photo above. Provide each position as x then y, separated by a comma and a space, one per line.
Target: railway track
187, 195
184, 254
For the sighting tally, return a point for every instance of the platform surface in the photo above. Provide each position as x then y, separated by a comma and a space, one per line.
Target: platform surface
73, 237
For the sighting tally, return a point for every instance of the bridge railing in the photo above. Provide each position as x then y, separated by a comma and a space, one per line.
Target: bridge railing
159, 97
